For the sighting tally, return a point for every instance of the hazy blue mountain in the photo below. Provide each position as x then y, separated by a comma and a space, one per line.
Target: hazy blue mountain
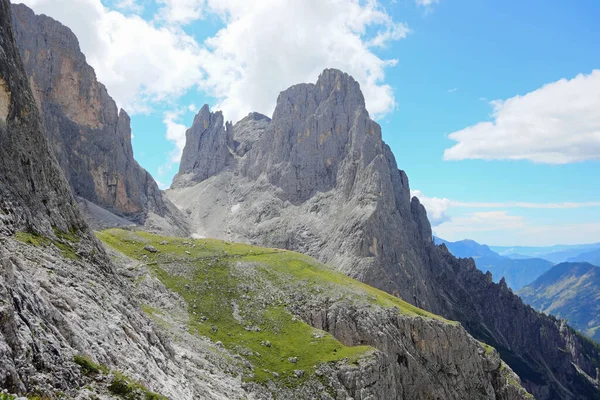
556, 254
517, 272
570, 291
516, 256
593, 257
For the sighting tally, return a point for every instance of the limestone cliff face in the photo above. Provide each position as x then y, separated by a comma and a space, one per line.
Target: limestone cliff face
209, 143
33, 192
90, 137
319, 179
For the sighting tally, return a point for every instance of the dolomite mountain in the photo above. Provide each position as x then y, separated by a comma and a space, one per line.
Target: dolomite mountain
90, 137
61, 296
317, 178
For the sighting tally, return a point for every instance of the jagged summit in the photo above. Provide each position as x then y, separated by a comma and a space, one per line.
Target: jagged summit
319, 179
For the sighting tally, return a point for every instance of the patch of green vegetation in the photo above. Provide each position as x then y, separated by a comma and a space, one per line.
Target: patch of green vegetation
225, 286
70, 236
4, 396
88, 366
151, 311
32, 239
128, 389
489, 350
37, 240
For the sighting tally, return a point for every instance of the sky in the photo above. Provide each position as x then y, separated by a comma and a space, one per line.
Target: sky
492, 108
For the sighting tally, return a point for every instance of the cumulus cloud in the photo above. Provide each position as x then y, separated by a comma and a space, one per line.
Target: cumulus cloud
558, 123
436, 207
263, 48
130, 5
181, 11
268, 46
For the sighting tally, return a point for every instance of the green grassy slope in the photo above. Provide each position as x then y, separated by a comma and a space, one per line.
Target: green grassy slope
239, 294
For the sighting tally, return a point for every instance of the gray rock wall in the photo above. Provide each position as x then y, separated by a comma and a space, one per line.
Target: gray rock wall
89, 136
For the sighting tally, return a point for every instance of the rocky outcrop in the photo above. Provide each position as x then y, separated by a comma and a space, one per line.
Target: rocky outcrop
319, 179
90, 137
209, 142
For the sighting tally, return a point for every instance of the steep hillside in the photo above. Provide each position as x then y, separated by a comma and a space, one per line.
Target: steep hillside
570, 291
317, 178
517, 272
90, 137
302, 330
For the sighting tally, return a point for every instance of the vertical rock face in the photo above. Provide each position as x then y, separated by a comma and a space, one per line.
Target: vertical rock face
33, 192
209, 144
319, 179
90, 137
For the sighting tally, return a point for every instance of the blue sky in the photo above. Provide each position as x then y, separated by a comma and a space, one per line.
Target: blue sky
525, 171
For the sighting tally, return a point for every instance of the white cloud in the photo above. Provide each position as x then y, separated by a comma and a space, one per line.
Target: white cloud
556, 124
268, 46
181, 11
263, 48
175, 133
436, 207
426, 3
162, 185
452, 90
480, 221
522, 204
130, 5
441, 205
500, 228
192, 108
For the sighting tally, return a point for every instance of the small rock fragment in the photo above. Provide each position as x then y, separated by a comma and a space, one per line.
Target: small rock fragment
150, 248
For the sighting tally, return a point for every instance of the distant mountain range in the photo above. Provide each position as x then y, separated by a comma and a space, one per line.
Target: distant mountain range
593, 257
556, 254
517, 272
570, 291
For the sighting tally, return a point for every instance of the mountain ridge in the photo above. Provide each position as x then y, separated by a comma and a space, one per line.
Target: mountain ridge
320, 180
517, 272
570, 291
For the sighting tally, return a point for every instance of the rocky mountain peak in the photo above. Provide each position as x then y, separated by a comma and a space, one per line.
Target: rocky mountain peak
207, 148
319, 179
